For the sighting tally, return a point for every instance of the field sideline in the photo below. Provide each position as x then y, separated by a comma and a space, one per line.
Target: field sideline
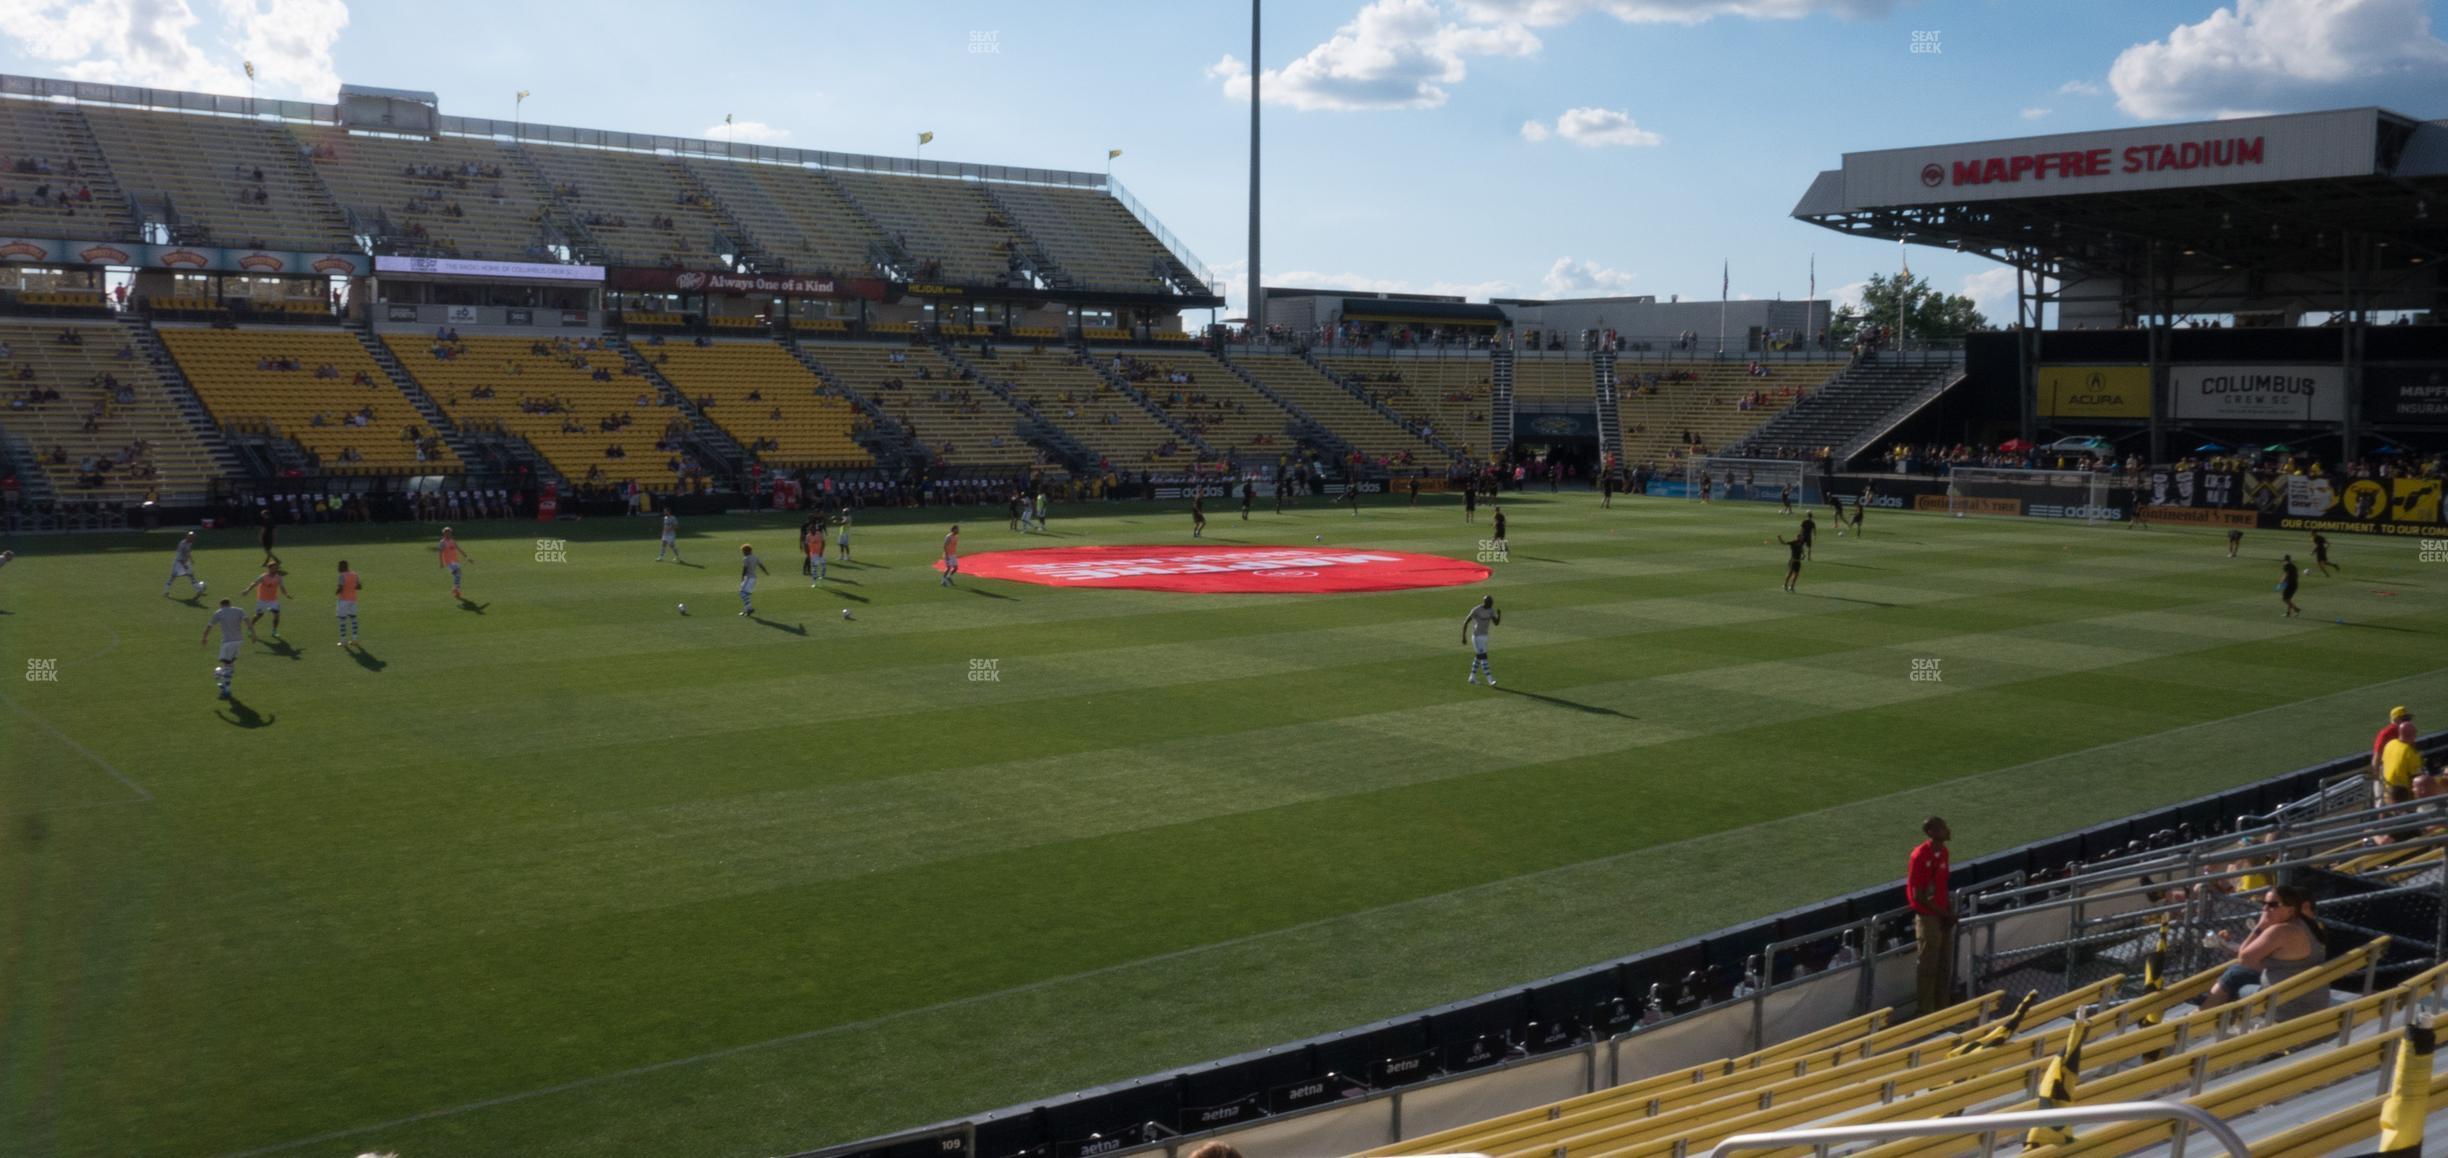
559, 871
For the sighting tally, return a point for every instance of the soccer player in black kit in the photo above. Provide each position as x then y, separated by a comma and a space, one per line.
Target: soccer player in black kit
1198, 512
1500, 529
1793, 560
2288, 579
1836, 504
1810, 534
1606, 491
1415, 490
1470, 500
1785, 500
1860, 505
2320, 555
1249, 491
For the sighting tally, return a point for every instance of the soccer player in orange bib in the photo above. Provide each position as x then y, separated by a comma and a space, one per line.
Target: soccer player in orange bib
452, 557
345, 605
269, 588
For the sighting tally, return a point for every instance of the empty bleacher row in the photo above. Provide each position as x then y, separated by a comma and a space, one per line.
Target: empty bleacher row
1073, 396
1667, 412
451, 196
1204, 395
576, 401
762, 397
1553, 380
317, 387
1448, 398
94, 416
245, 182
53, 182
1367, 431
223, 180
952, 419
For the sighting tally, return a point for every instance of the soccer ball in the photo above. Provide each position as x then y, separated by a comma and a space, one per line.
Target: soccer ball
200, 586
1317, 538
684, 609
845, 613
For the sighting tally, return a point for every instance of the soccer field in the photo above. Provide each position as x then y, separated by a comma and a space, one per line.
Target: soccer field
558, 871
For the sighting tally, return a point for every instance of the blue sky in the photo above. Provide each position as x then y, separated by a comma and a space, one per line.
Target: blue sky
1514, 147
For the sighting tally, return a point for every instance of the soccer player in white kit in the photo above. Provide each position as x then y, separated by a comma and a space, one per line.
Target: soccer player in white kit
671, 538
844, 541
1041, 511
750, 566
1475, 632
182, 564
231, 621
951, 566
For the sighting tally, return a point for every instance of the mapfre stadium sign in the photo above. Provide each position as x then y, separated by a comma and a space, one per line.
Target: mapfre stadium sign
2305, 146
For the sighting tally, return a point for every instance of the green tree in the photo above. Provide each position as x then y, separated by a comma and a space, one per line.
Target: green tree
1927, 313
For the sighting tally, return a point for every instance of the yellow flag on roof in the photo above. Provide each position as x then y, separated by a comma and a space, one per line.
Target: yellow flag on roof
923, 138
1110, 154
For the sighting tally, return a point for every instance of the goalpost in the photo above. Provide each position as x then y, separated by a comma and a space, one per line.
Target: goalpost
1751, 479
2039, 494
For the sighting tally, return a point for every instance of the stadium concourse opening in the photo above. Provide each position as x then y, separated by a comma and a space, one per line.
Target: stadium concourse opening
1222, 570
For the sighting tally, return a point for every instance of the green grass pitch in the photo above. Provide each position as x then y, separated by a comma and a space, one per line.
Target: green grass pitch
561, 872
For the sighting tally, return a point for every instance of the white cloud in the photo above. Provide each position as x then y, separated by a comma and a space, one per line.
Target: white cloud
1567, 278
1393, 54
1533, 131
1549, 13
2079, 88
157, 43
2290, 54
2033, 114
1993, 290
1593, 128
1848, 294
752, 132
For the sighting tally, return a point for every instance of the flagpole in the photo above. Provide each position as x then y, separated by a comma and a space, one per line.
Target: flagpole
1725, 284
1810, 307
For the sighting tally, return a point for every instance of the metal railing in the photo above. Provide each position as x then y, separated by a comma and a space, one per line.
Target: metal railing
1989, 1126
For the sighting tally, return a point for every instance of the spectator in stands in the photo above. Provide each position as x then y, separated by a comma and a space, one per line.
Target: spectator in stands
2388, 731
2285, 942
2400, 762
1926, 888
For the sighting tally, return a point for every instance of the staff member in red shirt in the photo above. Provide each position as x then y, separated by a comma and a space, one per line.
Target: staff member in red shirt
2388, 731
1933, 907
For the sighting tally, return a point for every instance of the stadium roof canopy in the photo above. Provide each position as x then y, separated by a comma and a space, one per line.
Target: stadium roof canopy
2346, 209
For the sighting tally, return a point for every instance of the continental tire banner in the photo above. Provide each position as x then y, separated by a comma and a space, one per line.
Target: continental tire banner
2405, 393
2259, 393
2094, 391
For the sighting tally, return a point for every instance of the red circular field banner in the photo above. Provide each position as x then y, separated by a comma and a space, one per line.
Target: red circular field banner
1222, 569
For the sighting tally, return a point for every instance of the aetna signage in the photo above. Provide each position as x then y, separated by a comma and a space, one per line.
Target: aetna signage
2070, 164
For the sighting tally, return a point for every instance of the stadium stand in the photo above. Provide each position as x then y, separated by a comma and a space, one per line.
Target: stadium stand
763, 398
1448, 397
113, 432
447, 196
1091, 236
1367, 432
53, 180
317, 387
948, 230
1228, 414
637, 208
1553, 380
1074, 397
571, 399
958, 422
1707, 401
1848, 410
221, 180
794, 215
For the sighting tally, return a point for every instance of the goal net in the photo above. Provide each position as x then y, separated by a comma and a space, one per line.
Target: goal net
2038, 494
1751, 479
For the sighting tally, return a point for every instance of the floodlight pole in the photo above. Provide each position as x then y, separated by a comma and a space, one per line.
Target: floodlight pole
1255, 292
